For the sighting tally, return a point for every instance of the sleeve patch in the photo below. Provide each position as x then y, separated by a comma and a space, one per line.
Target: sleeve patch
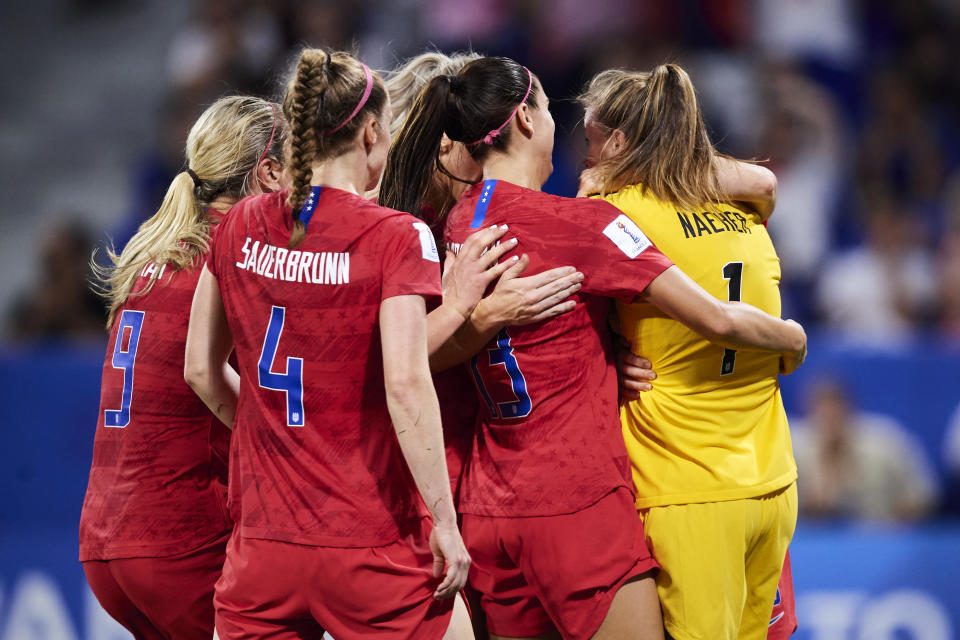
428, 247
628, 237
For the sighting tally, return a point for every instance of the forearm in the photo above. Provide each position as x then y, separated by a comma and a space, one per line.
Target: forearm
442, 323
747, 182
751, 328
219, 390
467, 340
416, 419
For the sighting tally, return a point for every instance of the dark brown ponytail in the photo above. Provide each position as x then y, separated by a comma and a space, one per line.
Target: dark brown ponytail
466, 107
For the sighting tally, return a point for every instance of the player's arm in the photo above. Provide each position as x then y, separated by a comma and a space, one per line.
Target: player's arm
209, 345
749, 183
466, 277
514, 301
412, 402
733, 325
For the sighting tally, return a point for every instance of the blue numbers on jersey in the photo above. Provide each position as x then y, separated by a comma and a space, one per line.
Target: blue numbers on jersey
503, 354
290, 381
124, 359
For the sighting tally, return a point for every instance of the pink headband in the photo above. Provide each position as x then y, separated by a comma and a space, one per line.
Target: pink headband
269, 142
363, 100
496, 132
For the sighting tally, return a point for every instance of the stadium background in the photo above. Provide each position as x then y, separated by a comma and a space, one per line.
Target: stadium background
856, 104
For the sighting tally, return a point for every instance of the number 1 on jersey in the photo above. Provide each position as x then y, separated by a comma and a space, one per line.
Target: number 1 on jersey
124, 359
733, 274
291, 380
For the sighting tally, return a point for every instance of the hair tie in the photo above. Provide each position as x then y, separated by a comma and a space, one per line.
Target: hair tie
488, 139
363, 100
194, 177
456, 82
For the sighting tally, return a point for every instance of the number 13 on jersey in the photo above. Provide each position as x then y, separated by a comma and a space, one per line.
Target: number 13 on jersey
503, 354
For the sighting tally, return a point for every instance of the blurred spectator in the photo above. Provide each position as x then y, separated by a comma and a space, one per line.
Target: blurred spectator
819, 29
230, 44
60, 303
858, 465
948, 267
951, 459
803, 139
878, 293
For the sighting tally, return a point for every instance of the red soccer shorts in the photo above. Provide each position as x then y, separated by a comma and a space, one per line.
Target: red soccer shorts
160, 598
783, 620
283, 590
540, 573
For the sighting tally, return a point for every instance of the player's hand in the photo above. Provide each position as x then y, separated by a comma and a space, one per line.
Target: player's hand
467, 274
791, 360
635, 372
448, 551
516, 301
591, 182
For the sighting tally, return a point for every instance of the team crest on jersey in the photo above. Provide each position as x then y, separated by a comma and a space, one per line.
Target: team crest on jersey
627, 236
428, 247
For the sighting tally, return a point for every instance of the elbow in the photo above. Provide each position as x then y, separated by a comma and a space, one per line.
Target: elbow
768, 185
403, 389
720, 326
195, 374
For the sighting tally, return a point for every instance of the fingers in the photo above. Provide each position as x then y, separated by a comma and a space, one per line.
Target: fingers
514, 270
556, 298
438, 564
495, 253
639, 362
455, 578
556, 310
634, 385
474, 246
545, 278
500, 268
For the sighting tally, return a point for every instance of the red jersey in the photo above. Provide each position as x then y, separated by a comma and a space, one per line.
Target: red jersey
458, 401
548, 437
159, 475
317, 460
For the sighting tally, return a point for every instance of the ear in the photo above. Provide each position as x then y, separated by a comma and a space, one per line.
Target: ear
617, 141
269, 173
524, 120
446, 144
371, 133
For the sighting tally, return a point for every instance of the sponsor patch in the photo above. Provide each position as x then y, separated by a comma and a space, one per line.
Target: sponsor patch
428, 247
624, 233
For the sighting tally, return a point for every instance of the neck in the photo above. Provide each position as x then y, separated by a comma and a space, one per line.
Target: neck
222, 204
518, 170
347, 172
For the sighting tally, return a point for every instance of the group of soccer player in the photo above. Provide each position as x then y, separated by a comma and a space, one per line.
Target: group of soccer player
413, 431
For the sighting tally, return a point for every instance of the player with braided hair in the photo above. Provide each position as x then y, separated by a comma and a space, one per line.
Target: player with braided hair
337, 429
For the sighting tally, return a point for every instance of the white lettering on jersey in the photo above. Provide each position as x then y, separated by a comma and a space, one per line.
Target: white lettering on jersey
246, 254
428, 247
627, 236
280, 263
150, 268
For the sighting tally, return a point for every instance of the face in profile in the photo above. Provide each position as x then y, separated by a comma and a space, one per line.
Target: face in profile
543, 132
597, 138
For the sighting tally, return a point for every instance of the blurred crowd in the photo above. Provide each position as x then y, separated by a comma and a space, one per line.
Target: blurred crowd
854, 104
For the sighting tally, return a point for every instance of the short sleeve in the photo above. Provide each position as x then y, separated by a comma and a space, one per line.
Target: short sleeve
615, 256
411, 262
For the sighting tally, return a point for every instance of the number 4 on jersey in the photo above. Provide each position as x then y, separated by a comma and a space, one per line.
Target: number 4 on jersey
733, 274
289, 381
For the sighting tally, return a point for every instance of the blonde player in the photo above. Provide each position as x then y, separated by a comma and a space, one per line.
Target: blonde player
709, 444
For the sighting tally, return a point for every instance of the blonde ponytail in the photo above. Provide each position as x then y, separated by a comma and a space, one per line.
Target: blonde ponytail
223, 148
667, 149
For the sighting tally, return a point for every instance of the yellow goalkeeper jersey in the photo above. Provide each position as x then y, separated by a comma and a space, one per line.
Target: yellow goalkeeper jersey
713, 428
